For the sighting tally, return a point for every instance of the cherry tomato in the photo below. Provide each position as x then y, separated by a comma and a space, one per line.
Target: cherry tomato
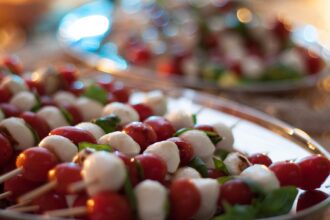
76, 135
314, 62
18, 186
260, 158
11, 164
35, 86
310, 198
142, 133
120, 92
65, 174
204, 128
5, 95
109, 205
138, 54
10, 110
131, 167
185, 149
235, 192
185, 199
68, 74
39, 125
107, 83
214, 173
282, 30
288, 173
50, 201
13, 64
36, 162
143, 110
153, 167
80, 200
77, 88
75, 113
161, 126
314, 169
6, 150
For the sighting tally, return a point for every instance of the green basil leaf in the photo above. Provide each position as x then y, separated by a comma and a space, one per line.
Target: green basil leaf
254, 186
67, 116
97, 147
129, 192
37, 106
237, 212
108, 123
219, 165
223, 179
96, 93
199, 165
214, 137
194, 118
221, 153
36, 137
181, 131
278, 202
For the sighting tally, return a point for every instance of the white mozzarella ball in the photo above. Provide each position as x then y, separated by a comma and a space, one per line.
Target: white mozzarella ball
89, 108
209, 191
157, 101
168, 151
180, 119
293, 58
92, 128
63, 98
186, 173
24, 100
191, 68
14, 84
226, 133
201, 143
252, 67
103, 171
209, 162
18, 130
151, 199
263, 176
53, 116
121, 142
49, 78
125, 112
236, 162
61, 146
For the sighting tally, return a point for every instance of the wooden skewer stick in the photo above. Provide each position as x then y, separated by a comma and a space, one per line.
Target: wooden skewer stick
19, 204
26, 208
77, 211
78, 186
10, 174
5, 195
37, 192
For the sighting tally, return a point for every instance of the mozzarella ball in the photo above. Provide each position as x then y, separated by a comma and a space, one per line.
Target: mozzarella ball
168, 151
209, 191
81, 156
294, 59
226, 133
24, 100
236, 162
61, 146
19, 131
157, 101
92, 128
89, 108
121, 142
180, 119
151, 199
186, 173
201, 143
252, 67
49, 78
125, 112
263, 176
209, 162
14, 84
103, 171
53, 116
63, 98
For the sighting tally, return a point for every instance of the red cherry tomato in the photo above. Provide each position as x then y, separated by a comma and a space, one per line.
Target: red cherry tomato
138, 54
235, 192
68, 74
214, 173
18, 186
142, 133
6, 150
80, 200
315, 170
50, 201
185, 149
161, 126
65, 174
10, 110
75, 113
108, 205
260, 158
131, 167
77, 88
107, 83
120, 92
36, 162
204, 128
5, 95
288, 173
185, 199
11, 164
153, 167
143, 110
13, 64
281, 30
37, 123
76, 135
310, 198
313, 62
35, 86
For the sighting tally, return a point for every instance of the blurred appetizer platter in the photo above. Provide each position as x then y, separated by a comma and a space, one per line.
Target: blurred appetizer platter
90, 146
200, 44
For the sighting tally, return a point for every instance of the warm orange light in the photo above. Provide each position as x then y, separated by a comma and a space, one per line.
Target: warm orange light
244, 15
